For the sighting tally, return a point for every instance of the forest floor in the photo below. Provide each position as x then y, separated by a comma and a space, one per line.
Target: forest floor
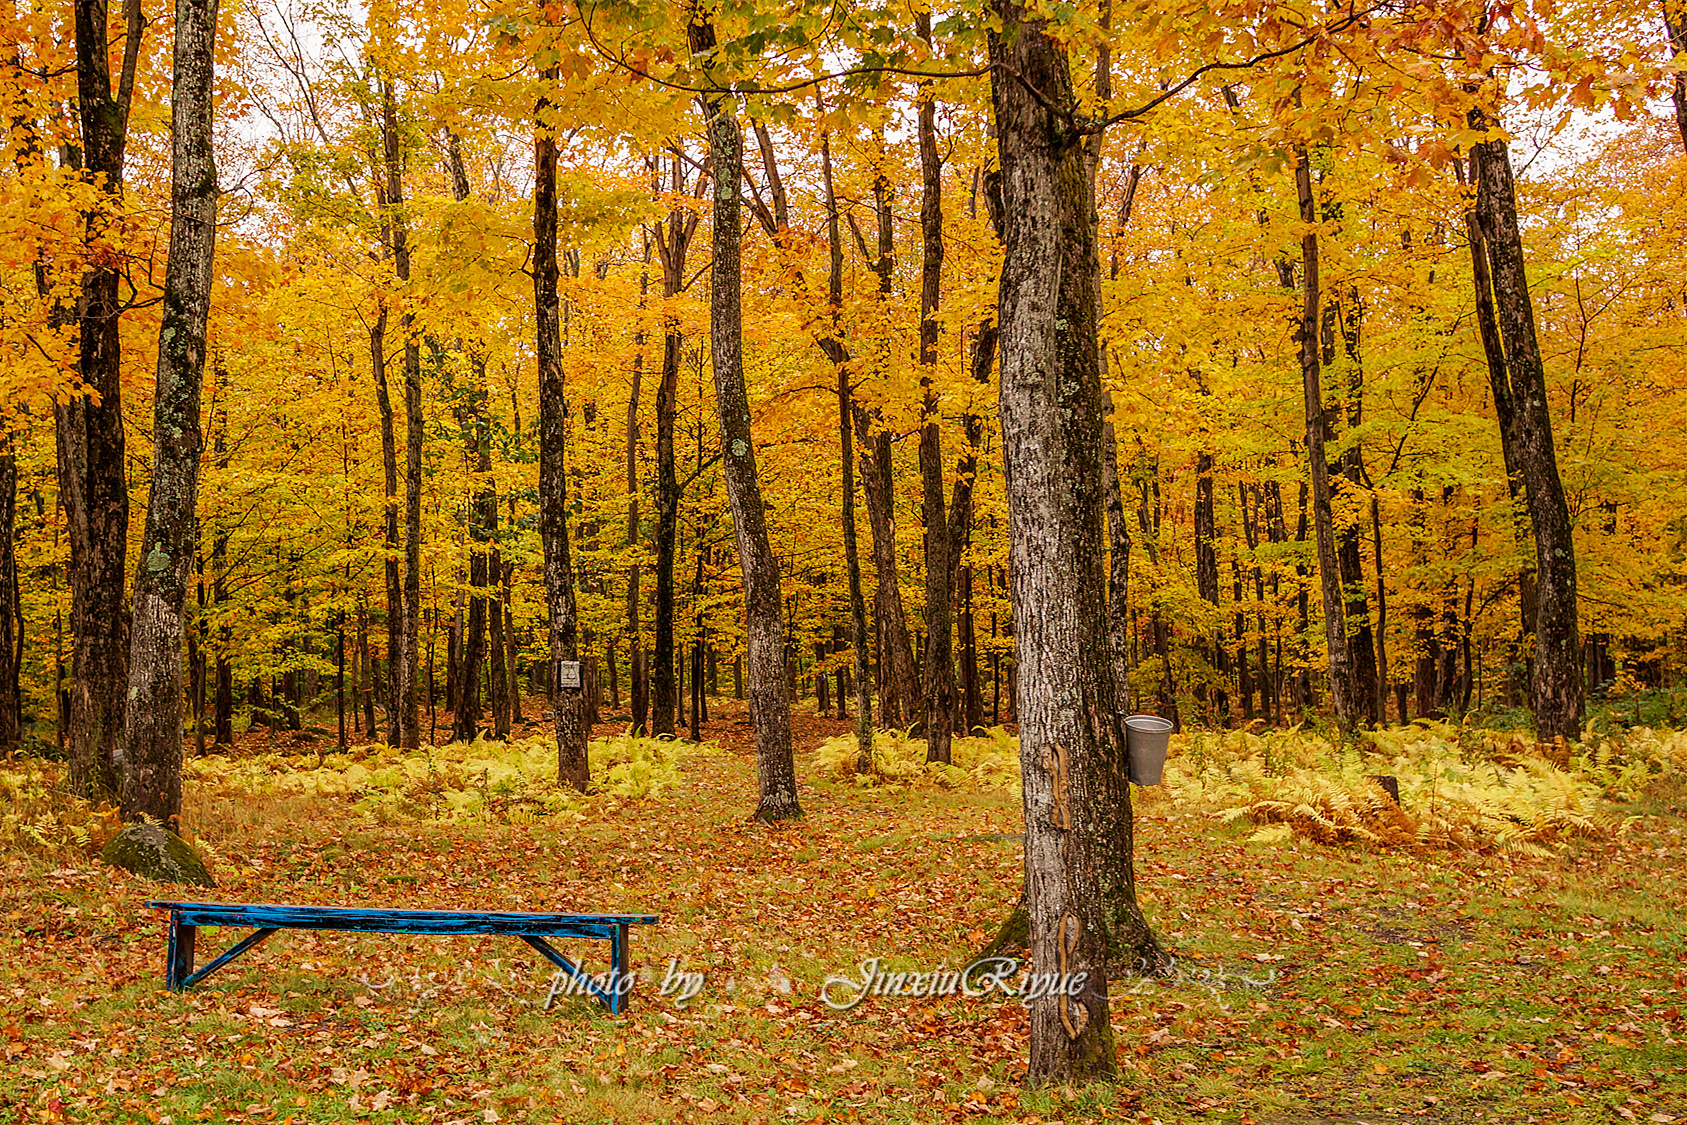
1315, 984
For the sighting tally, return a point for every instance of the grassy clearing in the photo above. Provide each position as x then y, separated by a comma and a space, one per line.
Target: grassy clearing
1316, 983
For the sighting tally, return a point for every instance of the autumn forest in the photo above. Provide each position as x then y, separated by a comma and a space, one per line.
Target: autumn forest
375, 371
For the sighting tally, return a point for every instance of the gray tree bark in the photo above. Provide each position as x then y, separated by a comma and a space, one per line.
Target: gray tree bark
899, 699
938, 675
152, 734
763, 610
89, 428
1079, 890
11, 610
1556, 688
1344, 694
834, 348
569, 704
404, 660
672, 244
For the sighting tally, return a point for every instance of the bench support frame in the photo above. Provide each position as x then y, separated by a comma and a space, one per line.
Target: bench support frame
613, 989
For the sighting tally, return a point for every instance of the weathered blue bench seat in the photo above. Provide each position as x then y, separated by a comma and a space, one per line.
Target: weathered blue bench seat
614, 991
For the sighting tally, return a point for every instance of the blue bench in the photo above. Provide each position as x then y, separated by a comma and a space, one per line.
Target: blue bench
613, 990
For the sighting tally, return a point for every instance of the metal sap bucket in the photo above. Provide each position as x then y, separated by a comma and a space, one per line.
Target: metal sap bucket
1146, 739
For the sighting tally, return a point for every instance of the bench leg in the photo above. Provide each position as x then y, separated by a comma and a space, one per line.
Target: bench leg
250, 941
621, 990
178, 965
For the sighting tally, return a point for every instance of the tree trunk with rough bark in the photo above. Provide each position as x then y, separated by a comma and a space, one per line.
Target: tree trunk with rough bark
638, 700
11, 610
1343, 691
1079, 888
405, 660
90, 442
899, 702
569, 704
390, 541
938, 675
672, 244
839, 355
1556, 687
1347, 478
764, 629
152, 733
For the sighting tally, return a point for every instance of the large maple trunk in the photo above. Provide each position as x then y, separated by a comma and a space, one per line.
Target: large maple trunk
1344, 694
1520, 385
764, 627
569, 704
90, 443
1080, 891
938, 675
152, 735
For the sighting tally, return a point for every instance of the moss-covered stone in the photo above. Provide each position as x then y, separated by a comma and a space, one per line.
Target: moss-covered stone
152, 852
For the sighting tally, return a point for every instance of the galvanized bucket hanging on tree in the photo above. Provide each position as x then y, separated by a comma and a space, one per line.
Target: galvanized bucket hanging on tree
1146, 739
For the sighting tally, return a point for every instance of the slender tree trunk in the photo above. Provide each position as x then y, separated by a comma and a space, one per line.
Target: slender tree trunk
1348, 477
90, 439
511, 672
672, 245
391, 568
366, 685
938, 674
1557, 679
900, 688
11, 610
339, 680
764, 630
569, 706
967, 715
846, 477
501, 672
223, 726
1343, 691
1382, 615
1148, 520
664, 690
900, 691
471, 643
1118, 563
405, 658
639, 701
1675, 21
1206, 585
1080, 895
463, 691
152, 735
